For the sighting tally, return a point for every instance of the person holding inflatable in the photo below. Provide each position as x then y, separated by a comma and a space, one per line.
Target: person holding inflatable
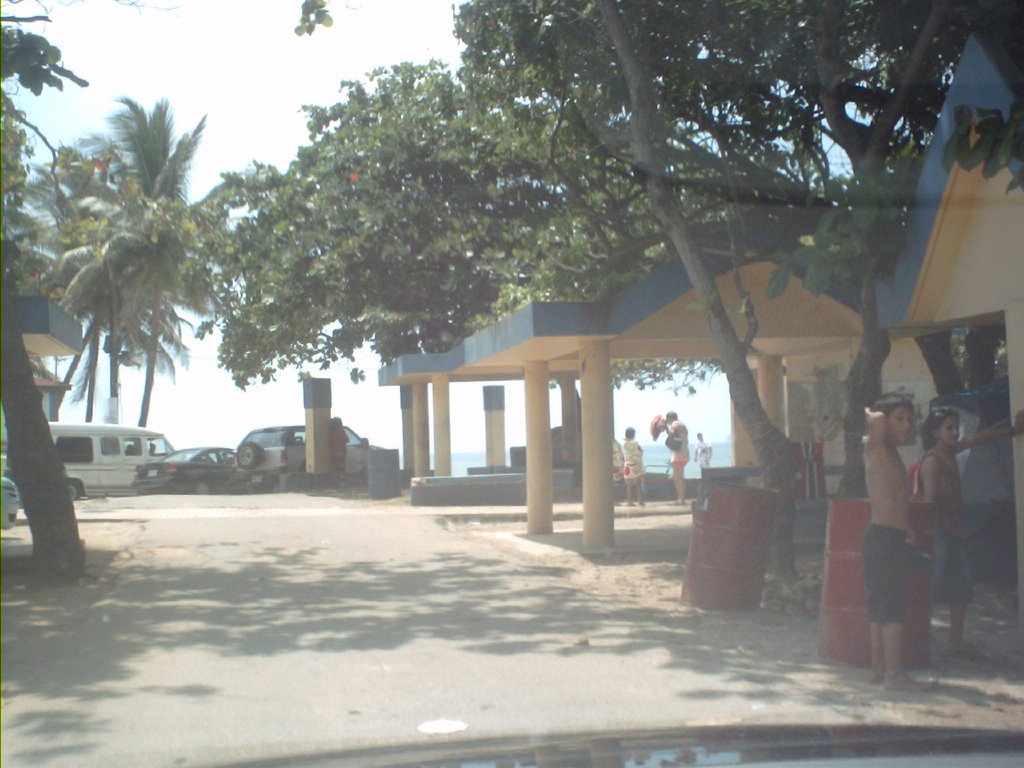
677, 440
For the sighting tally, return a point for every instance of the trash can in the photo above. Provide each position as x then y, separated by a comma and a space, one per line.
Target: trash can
729, 548
843, 632
383, 476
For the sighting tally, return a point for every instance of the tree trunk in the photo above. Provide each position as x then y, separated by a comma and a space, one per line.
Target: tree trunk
938, 355
147, 391
69, 374
114, 342
863, 387
771, 445
57, 550
94, 361
980, 345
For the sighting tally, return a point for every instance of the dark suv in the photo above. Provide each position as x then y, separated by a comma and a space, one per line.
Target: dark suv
271, 452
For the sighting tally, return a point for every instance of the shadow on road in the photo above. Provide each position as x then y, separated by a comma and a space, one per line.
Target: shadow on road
257, 600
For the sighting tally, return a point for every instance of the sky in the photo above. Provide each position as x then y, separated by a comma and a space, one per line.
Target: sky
239, 64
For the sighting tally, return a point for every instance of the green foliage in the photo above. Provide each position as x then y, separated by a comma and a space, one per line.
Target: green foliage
679, 375
120, 238
314, 14
34, 61
15, 174
758, 101
1000, 141
413, 217
425, 205
863, 226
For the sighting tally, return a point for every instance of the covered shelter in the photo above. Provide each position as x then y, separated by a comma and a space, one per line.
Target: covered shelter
47, 330
657, 317
964, 261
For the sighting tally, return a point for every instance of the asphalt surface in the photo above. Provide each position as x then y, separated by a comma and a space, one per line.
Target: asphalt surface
225, 630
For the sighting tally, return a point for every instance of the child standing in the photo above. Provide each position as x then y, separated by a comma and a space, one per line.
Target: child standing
940, 486
884, 547
633, 456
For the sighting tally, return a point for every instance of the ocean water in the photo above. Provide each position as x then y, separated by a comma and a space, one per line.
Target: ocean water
656, 457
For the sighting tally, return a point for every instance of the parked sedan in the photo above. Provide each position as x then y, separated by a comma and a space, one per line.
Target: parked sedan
193, 470
11, 503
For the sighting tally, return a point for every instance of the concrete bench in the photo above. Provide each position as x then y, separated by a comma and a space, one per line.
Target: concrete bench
502, 489
495, 489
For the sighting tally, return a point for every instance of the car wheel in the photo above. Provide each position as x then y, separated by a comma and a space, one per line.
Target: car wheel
249, 455
203, 488
75, 490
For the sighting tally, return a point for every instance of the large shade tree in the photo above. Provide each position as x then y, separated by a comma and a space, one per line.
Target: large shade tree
410, 190
57, 549
747, 130
802, 119
404, 220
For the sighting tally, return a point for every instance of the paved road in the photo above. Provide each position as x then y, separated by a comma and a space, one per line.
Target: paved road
214, 634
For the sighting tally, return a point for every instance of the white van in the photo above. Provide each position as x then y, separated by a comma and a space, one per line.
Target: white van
101, 458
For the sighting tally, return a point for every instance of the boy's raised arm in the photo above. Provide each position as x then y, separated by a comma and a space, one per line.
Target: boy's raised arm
875, 429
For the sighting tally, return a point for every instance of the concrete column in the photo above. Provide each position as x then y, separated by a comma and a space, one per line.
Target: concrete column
420, 430
407, 427
318, 443
442, 426
570, 416
771, 388
539, 483
743, 453
316, 399
494, 425
596, 394
1015, 365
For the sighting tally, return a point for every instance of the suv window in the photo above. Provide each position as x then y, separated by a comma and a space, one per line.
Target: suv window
110, 446
157, 446
269, 438
133, 446
72, 449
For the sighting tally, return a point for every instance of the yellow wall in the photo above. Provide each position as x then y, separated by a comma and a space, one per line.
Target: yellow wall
975, 262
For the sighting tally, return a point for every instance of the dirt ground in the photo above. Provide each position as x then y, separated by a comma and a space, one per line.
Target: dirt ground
786, 627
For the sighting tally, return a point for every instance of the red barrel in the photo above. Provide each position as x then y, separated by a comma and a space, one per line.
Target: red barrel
843, 633
729, 548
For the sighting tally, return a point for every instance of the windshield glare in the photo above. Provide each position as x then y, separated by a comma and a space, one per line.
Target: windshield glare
607, 382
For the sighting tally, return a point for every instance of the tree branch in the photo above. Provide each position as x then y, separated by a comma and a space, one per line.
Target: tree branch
852, 136
60, 197
571, 186
881, 130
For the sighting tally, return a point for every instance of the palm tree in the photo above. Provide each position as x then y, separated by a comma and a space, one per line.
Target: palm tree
134, 282
144, 150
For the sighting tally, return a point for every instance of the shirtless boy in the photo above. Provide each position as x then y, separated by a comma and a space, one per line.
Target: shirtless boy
885, 540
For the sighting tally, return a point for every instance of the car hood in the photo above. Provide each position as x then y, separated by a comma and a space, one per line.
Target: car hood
841, 746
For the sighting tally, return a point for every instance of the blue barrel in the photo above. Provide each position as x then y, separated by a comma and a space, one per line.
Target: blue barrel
383, 476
